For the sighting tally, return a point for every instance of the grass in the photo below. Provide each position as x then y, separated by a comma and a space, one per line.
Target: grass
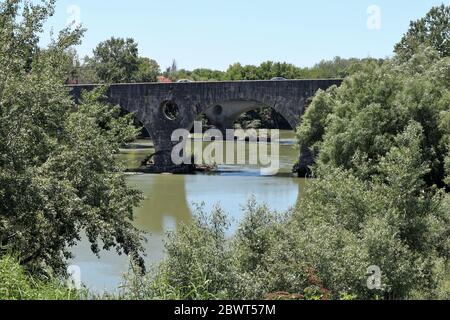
17, 284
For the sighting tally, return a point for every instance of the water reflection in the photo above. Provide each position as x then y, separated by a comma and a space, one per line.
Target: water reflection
165, 203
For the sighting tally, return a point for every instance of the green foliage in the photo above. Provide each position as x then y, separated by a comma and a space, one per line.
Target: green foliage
382, 146
358, 121
389, 221
197, 267
314, 122
445, 127
117, 60
336, 68
326, 69
59, 173
72, 66
259, 262
148, 70
198, 258
431, 31
16, 284
204, 74
267, 262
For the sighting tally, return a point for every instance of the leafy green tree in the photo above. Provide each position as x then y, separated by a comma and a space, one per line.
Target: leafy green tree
445, 127
431, 31
358, 121
117, 60
199, 264
336, 68
239, 72
382, 146
207, 75
148, 70
348, 223
73, 66
88, 72
268, 70
59, 173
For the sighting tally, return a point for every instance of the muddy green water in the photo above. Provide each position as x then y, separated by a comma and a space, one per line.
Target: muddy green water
170, 200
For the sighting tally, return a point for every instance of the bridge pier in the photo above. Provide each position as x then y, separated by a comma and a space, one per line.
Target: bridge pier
162, 158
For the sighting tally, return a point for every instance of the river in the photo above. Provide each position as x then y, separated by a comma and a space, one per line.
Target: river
171, 199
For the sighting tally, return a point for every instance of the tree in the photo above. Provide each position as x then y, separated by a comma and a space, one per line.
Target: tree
148, 70
117, 61
431, 31
357, 121
73, 66
59, 173
88, 72
384, 133
207, 75
390, 219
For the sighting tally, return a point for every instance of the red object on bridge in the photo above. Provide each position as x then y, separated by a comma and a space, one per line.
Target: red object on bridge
163, 79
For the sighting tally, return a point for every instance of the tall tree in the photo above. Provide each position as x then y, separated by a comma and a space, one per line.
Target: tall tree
117, 61
431, 31
59, 174
148, 70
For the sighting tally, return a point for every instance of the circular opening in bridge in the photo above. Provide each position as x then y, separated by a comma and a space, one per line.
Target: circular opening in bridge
170, 110
218, 110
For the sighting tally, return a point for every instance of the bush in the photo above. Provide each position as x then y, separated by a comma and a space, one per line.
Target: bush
393, 221
16, 284
198, 266
260, 261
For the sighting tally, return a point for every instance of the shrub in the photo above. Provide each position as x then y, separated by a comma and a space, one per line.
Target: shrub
16, 284
393, 220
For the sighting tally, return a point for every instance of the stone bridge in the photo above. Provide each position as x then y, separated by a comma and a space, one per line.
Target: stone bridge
164, 107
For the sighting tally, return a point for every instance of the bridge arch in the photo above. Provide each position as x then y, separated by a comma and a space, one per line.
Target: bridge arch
224, 114
151, 103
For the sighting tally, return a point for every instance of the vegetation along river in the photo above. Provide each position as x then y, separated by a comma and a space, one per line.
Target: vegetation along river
171, 200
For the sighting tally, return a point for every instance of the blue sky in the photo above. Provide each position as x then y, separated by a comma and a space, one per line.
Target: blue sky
214, 34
